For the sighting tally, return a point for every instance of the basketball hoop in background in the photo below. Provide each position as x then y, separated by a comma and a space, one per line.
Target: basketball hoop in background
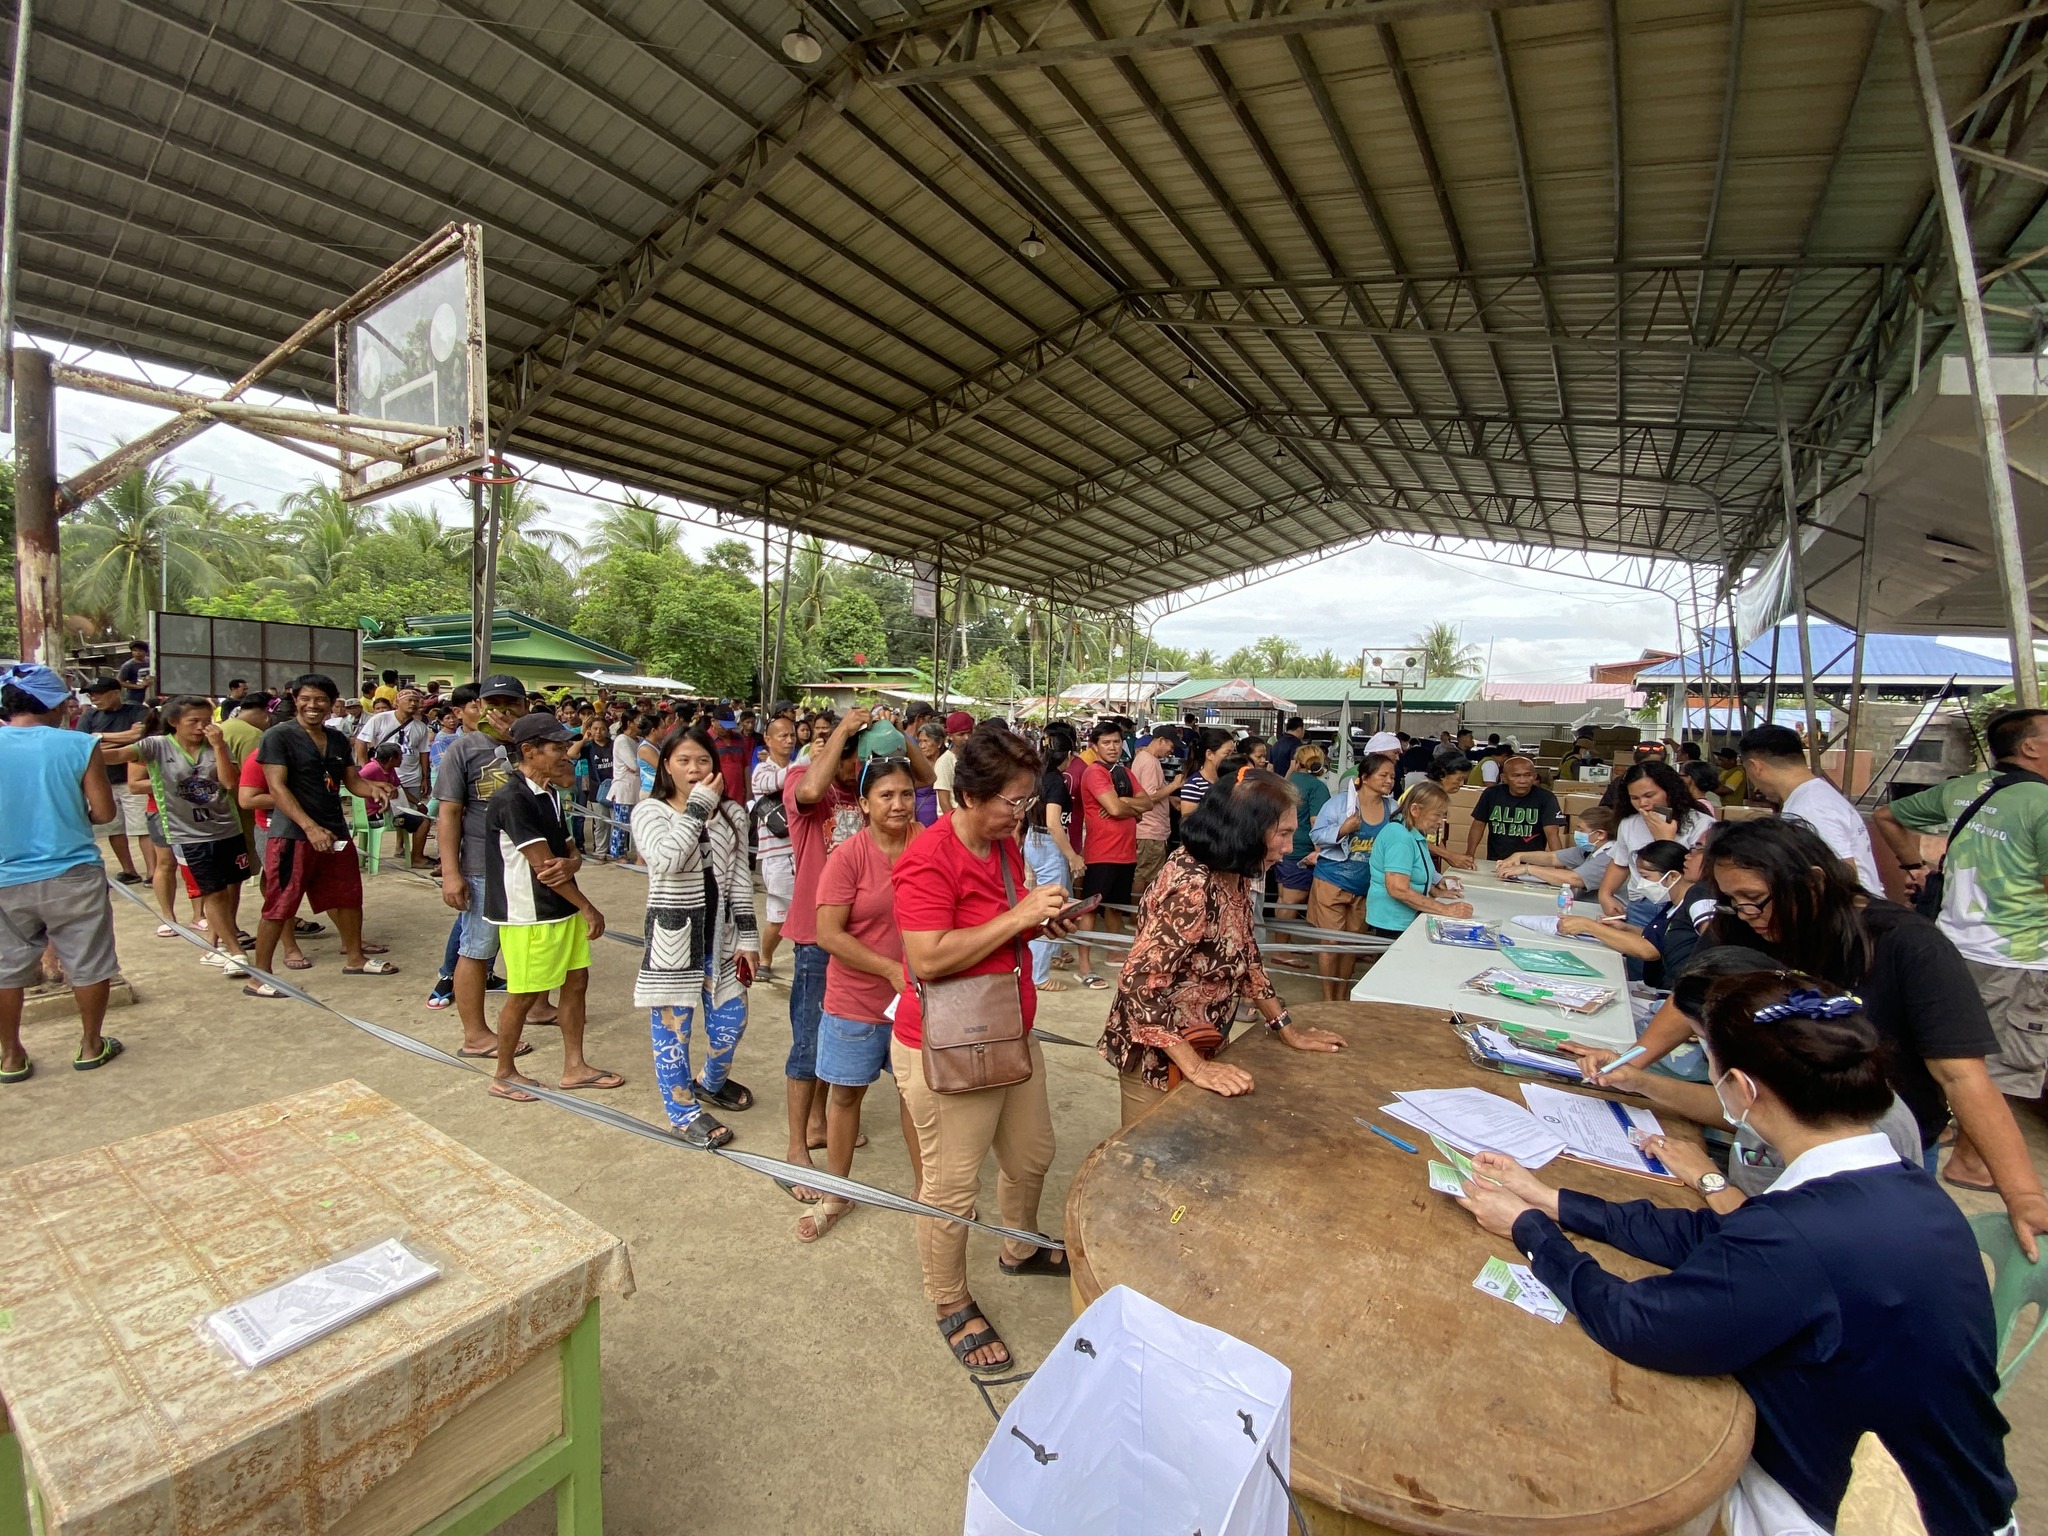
495, 472
414, 364
1394, 666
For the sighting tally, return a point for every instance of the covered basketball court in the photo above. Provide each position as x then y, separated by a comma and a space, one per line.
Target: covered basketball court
1099, 300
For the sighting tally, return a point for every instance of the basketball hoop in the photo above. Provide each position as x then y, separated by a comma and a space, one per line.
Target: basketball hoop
494, 473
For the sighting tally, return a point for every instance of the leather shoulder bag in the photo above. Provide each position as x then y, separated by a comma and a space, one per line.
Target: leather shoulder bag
974, 1034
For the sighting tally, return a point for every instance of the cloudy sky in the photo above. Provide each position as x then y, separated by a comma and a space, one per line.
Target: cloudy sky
1531, 626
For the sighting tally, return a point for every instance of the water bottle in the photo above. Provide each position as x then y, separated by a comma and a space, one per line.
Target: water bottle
1564, 901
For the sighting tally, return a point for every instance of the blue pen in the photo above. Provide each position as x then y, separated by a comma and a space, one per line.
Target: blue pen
1385, 1135
1622, 1060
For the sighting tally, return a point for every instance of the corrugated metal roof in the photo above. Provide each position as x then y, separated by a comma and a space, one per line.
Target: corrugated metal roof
1562, 693
1327, 268
1895, 659
1442, 693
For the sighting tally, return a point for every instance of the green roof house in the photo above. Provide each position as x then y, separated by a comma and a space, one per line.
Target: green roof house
436, 646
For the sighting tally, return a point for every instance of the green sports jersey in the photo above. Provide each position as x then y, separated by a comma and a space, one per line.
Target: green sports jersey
1994, 903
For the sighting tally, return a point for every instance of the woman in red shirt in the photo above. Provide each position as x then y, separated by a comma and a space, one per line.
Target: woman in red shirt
863, 971
962, 910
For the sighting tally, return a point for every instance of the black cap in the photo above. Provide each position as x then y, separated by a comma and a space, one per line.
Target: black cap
103, 684
502, 685
542, 727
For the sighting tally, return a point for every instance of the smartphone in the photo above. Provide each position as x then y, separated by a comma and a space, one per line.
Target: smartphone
745, 967
1076, 909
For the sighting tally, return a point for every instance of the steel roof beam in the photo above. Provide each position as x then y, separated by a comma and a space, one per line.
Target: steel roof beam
376, 111
526, 383
159, 133
958, 31
822, 481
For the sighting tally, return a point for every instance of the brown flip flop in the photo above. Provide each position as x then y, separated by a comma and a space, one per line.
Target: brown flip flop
600, 1080
525, 1049
512, 1093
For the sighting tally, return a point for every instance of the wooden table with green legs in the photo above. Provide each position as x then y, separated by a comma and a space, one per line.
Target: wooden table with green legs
443, 1412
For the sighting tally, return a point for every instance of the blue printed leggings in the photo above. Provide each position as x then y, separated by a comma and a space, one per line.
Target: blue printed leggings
670, 1027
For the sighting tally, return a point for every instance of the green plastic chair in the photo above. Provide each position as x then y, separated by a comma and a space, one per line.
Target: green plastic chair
369, 840
2014, 1283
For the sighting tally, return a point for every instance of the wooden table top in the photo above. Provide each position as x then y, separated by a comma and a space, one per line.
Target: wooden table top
134, 1423
1419, 1402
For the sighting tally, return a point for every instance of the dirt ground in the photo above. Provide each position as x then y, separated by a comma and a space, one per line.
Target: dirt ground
753, 1384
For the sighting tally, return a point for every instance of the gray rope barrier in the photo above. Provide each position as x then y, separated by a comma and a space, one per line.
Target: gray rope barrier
604, 1114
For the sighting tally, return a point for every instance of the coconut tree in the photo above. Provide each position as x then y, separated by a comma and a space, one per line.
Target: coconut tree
423, 536
149, 541
636, 527
520, 511
1446, 652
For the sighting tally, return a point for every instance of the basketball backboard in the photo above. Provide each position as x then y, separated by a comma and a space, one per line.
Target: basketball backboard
417, 360
1389, 666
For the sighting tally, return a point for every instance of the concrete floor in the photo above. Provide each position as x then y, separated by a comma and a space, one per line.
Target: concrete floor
753, 1384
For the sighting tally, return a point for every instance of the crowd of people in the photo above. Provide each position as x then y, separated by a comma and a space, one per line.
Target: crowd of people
922, 878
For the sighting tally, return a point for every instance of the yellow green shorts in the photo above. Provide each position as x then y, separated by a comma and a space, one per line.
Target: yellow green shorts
540, 956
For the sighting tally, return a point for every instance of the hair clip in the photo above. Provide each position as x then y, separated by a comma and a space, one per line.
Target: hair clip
1806, 1003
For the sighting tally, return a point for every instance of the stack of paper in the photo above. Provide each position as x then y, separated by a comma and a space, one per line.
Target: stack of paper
1504, 1048
1597, 1130
1517, 1283
1545, 923
1473, 1120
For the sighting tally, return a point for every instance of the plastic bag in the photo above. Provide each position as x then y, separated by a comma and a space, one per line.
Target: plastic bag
1140, 1423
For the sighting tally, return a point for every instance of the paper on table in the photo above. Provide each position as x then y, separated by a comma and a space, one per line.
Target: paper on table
1595, 1129
1477, 1121
1517, 1283
1503, 1047
1545, 923
275, 1322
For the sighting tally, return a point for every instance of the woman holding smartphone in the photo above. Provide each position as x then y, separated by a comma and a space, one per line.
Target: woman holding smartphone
863, 971
1196, 952
701, 949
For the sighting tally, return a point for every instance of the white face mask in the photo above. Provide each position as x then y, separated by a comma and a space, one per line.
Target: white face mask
1657, 890
1739, 1122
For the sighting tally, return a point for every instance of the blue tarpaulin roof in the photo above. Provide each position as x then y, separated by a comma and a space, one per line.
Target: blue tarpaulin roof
1887, 659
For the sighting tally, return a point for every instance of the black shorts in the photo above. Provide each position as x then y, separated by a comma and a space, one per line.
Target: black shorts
215, 866
1112, 882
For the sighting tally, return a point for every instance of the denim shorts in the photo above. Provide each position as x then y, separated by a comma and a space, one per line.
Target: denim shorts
479, 939
850, 1053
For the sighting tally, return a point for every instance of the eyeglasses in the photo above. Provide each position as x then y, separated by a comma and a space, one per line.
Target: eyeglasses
1743, 909
1019, 808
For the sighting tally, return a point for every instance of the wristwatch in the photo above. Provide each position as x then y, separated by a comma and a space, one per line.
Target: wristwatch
1711, 1183
1279, 1021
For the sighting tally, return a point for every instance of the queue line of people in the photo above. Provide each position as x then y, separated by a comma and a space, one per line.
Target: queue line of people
1804, 1070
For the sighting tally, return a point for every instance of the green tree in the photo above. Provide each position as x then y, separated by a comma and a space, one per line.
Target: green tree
116, 552
852, 627
989, 678
619, 598
637, 527
533, 579
1444, 648
424, 536
704, 632
249, 600
735, 557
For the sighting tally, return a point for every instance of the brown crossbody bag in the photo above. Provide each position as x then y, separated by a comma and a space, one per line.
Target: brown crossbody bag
974, 1035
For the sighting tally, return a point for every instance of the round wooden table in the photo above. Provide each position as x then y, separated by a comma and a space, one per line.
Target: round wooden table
1420, 1403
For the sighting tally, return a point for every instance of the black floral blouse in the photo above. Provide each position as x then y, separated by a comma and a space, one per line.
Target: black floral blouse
1194, 956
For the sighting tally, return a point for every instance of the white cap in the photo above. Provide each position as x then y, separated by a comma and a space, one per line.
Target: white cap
1382, 741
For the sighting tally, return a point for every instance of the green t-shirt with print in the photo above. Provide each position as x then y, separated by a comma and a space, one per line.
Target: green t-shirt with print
1994, 903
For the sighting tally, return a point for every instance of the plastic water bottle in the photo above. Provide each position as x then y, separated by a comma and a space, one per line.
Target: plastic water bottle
1564, 901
